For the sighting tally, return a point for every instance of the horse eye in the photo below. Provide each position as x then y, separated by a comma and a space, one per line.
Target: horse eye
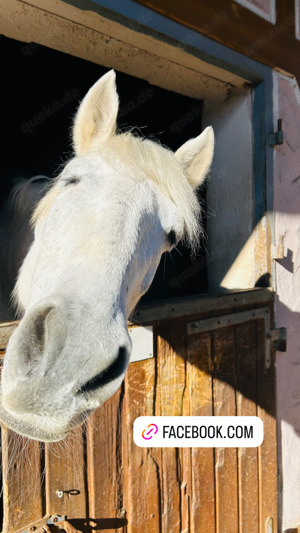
172, 238
72, 181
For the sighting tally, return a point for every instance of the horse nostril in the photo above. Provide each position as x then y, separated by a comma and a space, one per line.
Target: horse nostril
32, 343
36, 343
113, 371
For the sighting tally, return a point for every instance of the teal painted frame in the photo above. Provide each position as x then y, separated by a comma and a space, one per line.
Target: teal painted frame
144, 20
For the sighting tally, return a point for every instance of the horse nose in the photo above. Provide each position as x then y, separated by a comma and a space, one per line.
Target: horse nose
40, 332
113, 371
34, 345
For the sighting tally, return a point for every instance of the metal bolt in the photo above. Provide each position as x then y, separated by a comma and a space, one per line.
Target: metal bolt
59, 493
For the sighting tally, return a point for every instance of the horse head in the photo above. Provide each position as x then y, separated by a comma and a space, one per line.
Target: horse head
99, 234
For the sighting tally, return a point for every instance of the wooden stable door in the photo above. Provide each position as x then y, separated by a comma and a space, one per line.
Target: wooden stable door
214, 359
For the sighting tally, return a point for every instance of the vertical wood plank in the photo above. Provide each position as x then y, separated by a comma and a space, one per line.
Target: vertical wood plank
185, 480
267, 452
171, 386
22, 481
142, 466
202, 468
65, 471
104, 466
184, 459
224, 383
246, 406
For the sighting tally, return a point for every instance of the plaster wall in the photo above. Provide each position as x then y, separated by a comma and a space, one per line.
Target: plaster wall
230, 195
287, 231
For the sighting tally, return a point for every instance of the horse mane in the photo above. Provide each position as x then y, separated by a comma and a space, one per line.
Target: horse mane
43, 207
24, 197
15, 232
144, 159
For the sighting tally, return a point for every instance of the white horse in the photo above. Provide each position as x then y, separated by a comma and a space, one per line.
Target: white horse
100, 231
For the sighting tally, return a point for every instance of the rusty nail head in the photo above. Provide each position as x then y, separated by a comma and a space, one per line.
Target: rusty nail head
55, 519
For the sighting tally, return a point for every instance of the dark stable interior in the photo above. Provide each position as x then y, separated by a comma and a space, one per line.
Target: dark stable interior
40, 92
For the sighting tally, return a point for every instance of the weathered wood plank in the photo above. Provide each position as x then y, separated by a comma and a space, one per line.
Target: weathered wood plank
246, 399
142, 466
177, 307
185, 480
65, 471
104, 465
185, 458
171, 385
6, 330
267, 452
22, 481
199, 380
192, 305
224, 404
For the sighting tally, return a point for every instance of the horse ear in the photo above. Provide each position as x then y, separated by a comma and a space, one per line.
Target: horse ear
196, 156
96, 117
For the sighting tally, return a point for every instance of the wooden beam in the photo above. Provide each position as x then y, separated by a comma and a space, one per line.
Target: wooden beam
239, 28
176, 307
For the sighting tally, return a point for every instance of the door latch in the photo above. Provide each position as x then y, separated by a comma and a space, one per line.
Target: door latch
44, 525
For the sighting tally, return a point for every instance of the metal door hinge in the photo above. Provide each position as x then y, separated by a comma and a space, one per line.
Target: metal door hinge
279, 337
271, 335
277, 137
44, 525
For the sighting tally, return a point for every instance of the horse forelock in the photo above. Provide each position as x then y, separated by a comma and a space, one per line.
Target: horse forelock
24, 196
144, 159
43, 207
15, 235
147, 159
